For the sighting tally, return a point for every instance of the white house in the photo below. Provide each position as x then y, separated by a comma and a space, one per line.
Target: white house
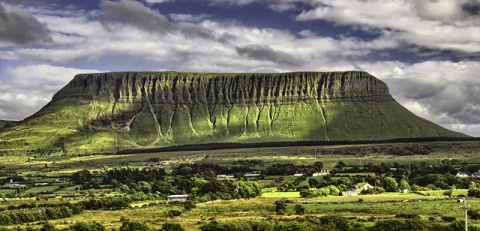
462, 174
252, 174
225, 176
322, 173
357, 190
13, 184
177, 197
476, 174
298, 174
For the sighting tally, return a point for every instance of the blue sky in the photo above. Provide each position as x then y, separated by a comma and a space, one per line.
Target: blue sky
428, 51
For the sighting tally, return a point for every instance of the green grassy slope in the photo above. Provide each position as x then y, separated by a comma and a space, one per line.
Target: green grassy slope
132, 111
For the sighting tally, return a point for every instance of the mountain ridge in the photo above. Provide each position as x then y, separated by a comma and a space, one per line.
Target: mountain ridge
128, 110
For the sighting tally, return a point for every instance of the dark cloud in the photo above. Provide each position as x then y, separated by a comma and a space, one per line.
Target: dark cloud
136, 14
21, 27
266, 53
459, 101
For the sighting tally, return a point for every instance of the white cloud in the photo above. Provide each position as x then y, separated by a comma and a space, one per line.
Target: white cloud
188, 17
444, 10
28, 88
46, 72
431, 24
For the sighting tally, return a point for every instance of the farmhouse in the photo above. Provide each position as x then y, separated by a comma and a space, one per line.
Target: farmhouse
177, 197
225, 176
462, 174
322, 173
358, 189
62, 180
252, 174
298, 174
476, 174
13, 184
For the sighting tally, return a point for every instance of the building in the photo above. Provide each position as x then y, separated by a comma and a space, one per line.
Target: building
62, 180
225, 176
476, 174
13, 184
178, 197
252, 174
462, 174
322, 173
298, 174
358, 189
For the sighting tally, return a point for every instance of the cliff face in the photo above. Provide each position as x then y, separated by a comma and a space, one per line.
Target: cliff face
189, 88
169, 108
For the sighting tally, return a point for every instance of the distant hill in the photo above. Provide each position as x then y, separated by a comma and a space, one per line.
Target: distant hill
108, 112
4, 124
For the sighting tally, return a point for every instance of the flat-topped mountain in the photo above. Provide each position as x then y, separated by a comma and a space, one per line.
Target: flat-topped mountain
111, 111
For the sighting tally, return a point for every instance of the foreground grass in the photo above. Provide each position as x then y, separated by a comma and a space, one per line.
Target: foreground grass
357, 155
372, 208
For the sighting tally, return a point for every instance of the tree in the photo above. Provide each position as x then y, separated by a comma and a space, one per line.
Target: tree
172, 227
82, 226
280, 206
299, 209
340, 165
404, 184
474, 214
189, 205
174, 213
313, 183
48, 227
448, 193
415, 188
390, 184
133, 226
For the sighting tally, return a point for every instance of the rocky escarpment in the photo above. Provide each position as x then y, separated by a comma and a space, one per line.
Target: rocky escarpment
157, 109
188, 88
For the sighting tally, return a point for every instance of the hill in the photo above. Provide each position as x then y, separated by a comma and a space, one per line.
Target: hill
4, 124
108, 112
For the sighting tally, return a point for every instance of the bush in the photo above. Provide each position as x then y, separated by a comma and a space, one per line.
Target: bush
189, 205
82, 226
172, 227
174, 213
280, 206
474, 192
408, 216
134, 226
299, 209
474, 214
448, 218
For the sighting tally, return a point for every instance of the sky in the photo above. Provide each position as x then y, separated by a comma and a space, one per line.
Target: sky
427, 51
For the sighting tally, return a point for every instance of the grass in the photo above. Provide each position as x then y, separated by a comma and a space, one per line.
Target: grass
281, 195
40, 189
359, 155
384, 206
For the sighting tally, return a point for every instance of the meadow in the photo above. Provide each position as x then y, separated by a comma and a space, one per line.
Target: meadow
430, 205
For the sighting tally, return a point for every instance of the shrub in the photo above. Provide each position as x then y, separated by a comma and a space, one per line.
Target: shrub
174, 213
82, 226
172, 227
474, 214
134, 226
448, 218
408, 216
280, 206
299, 209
